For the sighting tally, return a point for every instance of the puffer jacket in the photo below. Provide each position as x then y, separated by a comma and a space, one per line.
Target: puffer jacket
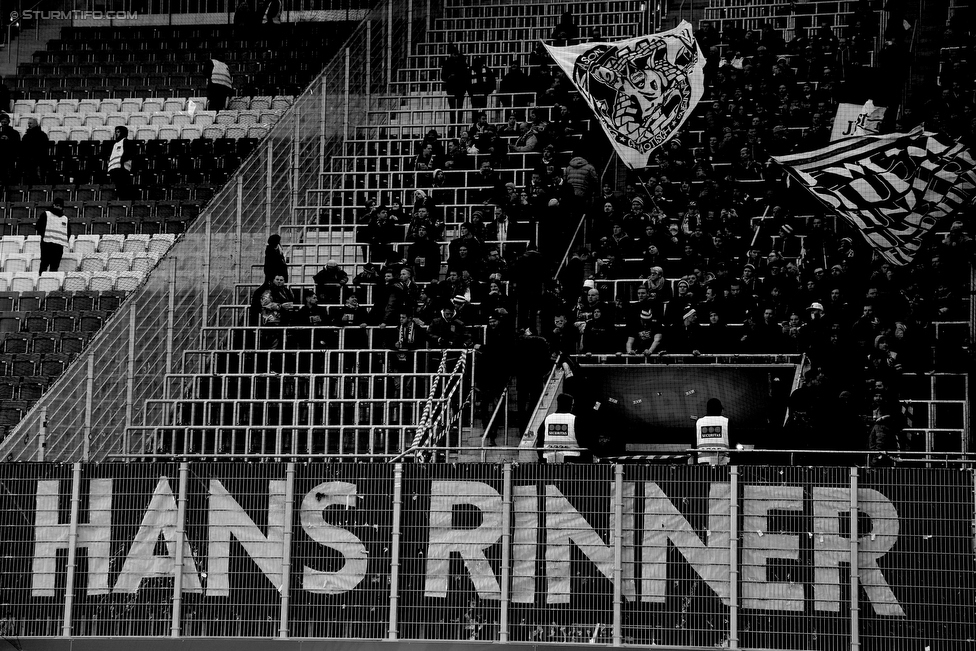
582, 177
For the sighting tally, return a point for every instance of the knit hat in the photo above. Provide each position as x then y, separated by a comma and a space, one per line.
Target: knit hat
689, 314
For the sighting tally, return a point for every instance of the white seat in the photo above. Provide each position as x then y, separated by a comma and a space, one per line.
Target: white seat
103, 133
174, 104
67, 106
257, 131
46, 106
24, 106
260, 102
17, 262
110, 243
226, 117
57, 134
161, 243
79, 133
237, 103
102, 281
204, 118
32, 246
111, 105
282, 102
161, 118
119, 261
142, 263
152, 105
89, 106
148, 132
128, 281
113, 120
190, 133
169, 133
70, 262
93, 262
137, 120
51, 120
130, 105
94, 120
136, 243
11, 244
83, 244
50, 281
6, 278
23, 281
76, 281
72, 120
235, 132
214, 131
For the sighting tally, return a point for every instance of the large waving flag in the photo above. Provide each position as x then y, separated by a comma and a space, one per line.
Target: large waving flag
641, 90
893, 188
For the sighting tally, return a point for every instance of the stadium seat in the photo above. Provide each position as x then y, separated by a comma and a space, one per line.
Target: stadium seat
11, 321
102, 281
31, 301
73, 343
91, 321
9, 301
76, 281
109, 301
23, 281
69, 262
45, 342
16, 342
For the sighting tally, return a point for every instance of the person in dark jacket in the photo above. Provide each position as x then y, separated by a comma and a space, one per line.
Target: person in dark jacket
425, 256
482, 83
275, 262
456, 78
34, 157
582, 177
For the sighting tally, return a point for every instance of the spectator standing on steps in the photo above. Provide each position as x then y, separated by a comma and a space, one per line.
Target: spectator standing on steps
220, 84
275, 262
34, 154
456, 78
52, 226
482, 83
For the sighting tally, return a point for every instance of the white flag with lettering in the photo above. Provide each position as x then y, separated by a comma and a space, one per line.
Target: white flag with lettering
857, 120
641, 90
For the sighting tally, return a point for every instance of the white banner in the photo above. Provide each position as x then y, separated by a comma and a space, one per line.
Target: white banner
857, 120
641, 90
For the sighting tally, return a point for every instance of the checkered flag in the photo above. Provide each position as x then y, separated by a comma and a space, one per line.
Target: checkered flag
893, 188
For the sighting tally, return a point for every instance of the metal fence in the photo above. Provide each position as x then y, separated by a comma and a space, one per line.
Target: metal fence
103, 392
737, 557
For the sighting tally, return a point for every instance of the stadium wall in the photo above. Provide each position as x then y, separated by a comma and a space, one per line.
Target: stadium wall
747, 557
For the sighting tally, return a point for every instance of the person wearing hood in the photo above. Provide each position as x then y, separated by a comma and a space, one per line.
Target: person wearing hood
582, 177
34, 157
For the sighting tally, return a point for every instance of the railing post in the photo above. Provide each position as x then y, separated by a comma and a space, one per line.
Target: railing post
406, 55
89, 390
130, 376
69, 581
170, 319
42, 435
618, 554
268, 187
345, 100
733, 557
369, 63
506, 568
283, 630
389, 45
180, 543
395, 550
855, 625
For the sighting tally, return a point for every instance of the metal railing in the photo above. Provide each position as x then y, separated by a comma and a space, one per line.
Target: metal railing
104, 391
751, 557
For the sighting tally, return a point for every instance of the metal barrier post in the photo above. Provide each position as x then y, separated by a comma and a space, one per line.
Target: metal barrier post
180, 542
733, 557
618, 554
69, 581
409, 32
855, 626
395, 550
506, 568
170, 325
89, 388
345, 99
42, 435
389, 45
286, 549
268, 176
130, 375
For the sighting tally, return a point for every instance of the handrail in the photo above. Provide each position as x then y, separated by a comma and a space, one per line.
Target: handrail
502, 399
569, 248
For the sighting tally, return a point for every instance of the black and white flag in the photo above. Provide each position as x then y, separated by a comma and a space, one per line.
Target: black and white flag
893, 188
641, 90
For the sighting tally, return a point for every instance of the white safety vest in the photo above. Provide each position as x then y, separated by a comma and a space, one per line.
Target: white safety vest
712, 440
55, 229
115, 159
559, 438
221, 74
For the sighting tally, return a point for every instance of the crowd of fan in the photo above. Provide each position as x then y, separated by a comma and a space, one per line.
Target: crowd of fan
699, 254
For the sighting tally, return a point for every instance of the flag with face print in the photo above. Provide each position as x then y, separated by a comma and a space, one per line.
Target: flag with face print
641, 90
892, 188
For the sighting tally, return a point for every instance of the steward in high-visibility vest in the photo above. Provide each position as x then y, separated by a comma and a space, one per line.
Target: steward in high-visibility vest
558, 432
712, 435
52, 226
220, 83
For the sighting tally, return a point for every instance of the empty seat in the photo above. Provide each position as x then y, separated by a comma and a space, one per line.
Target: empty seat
93, 262
25, 364
11, 412
91, 321
85, 244
23, 281
53, 363
64, 321
160, 243
130, 105
76, 281
57, 300
45, 342
16, 342
14, 262
136, 243
69, 262
38, 321
102, 281
9, 388
119, 261
31, 301
51, 281
72, 343
109, 301
9, 301
110, 243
